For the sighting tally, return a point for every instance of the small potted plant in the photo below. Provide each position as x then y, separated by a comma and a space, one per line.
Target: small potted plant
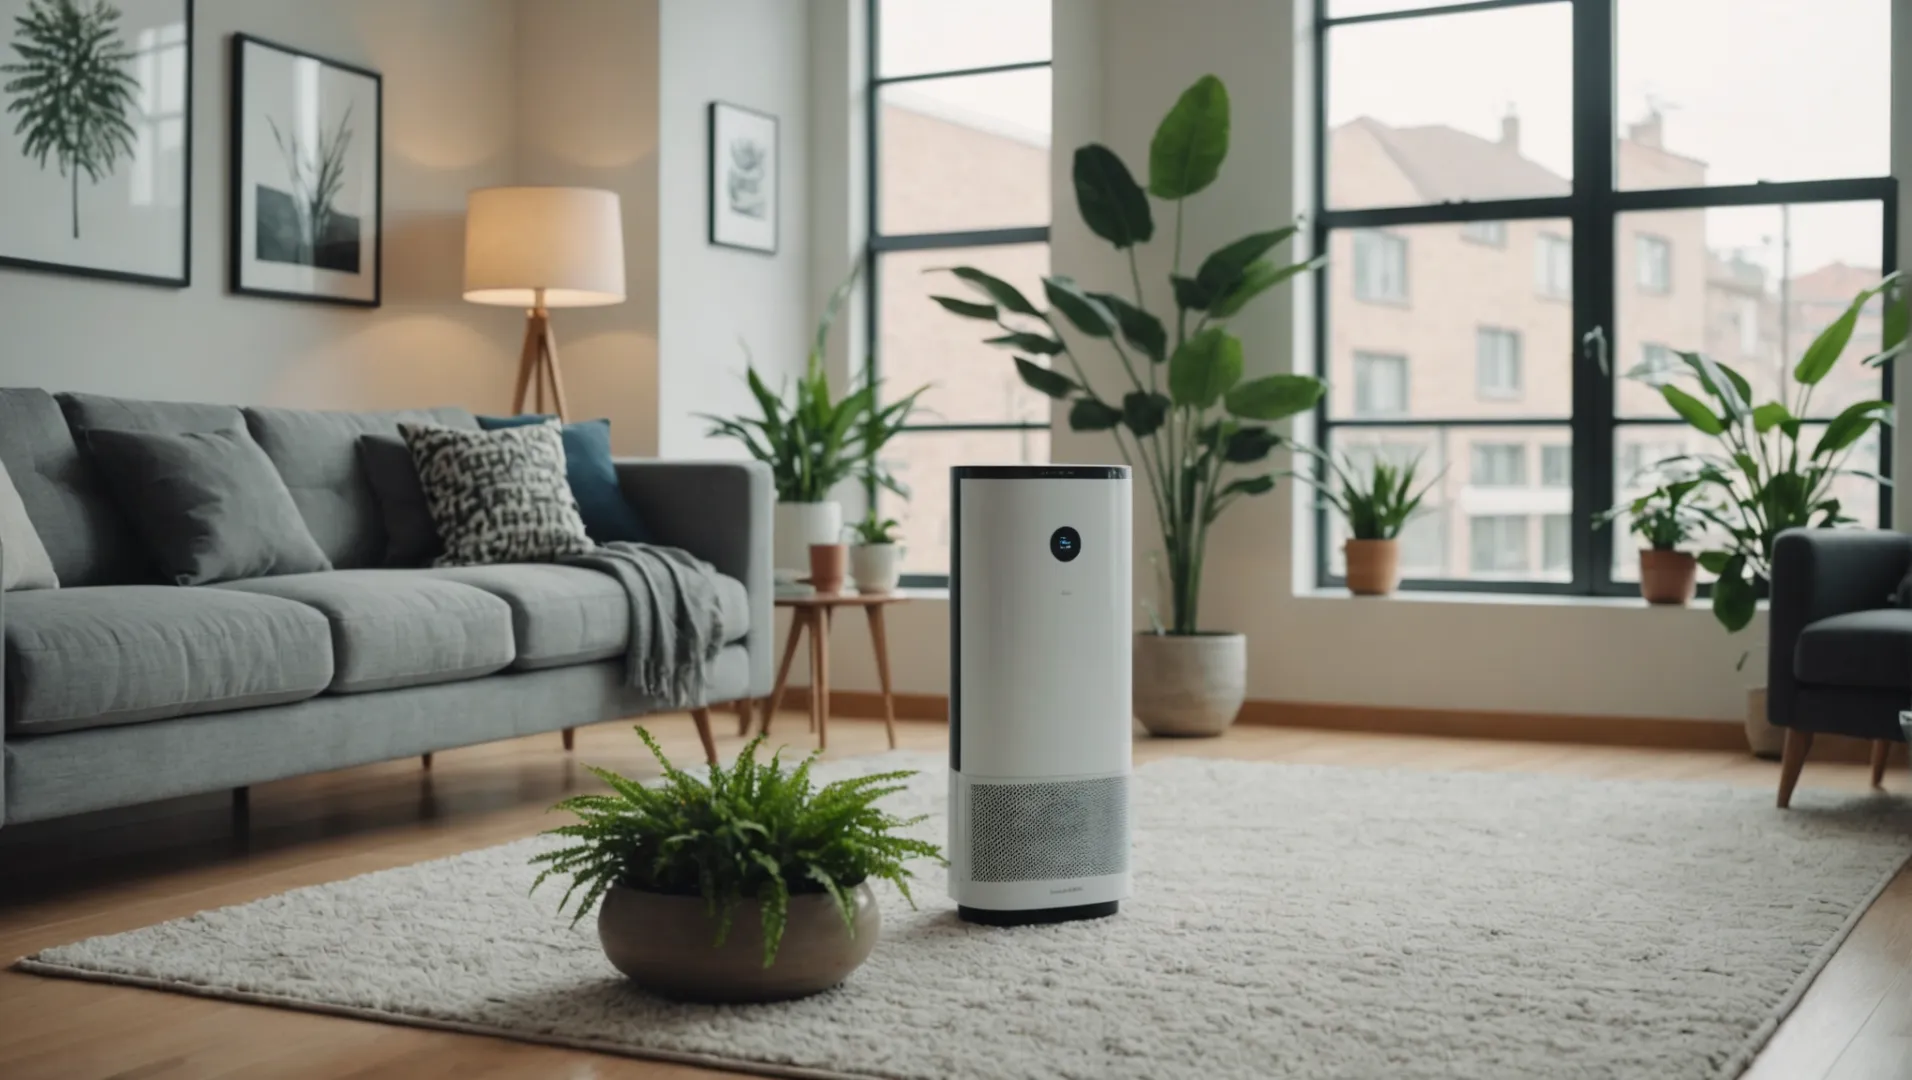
876, 558
1376, 504
1666, 521
751, 886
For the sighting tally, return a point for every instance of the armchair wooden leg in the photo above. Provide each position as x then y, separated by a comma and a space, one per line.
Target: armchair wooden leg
570, 737
702, 719
241, 808
743, 715
1880, 748
1791, 760
427, 759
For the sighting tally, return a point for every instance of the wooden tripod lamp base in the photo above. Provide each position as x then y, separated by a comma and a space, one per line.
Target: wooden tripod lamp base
538, 373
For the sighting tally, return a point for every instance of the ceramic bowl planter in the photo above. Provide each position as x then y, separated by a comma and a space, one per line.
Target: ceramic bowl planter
827, 565
1374, 566
1189, 684
663, 944
794, 526
1667, 577
876, 568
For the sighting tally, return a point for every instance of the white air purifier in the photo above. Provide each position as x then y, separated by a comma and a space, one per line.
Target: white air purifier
1039, 714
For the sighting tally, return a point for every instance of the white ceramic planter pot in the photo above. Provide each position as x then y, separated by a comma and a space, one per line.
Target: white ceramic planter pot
793, 528
1189, 684
876, 568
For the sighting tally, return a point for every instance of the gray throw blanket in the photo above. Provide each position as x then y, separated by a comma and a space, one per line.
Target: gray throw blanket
677, 625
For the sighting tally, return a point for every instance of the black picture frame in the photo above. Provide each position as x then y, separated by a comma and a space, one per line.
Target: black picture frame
721, 230
185, 275
237, 260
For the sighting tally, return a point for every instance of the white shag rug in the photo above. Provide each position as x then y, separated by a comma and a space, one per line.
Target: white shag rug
1288, 921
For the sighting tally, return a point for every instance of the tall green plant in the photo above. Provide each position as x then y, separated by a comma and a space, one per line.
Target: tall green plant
815, 442
71, 90
1765, 477
1184, 418
1376, 503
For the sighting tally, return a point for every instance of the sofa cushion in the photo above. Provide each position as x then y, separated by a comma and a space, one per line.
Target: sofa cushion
410, 537
588, 468
316, 453
1859, 649
497, 496
120, 654
23, 559
570, 615
89, 412
393, 628
66, 498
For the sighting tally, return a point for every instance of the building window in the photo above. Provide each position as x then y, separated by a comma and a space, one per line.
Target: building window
1497, 544
1657, 360
1380, 384
1499, 465
1553, 266
1380, 267
1655, 257
1556, 544
1556, 466
1488, 233
1497, 363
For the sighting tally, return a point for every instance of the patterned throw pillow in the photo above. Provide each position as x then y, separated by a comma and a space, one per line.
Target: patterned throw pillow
497, 496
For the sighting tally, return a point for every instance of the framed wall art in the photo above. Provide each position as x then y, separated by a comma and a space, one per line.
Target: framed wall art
743, 178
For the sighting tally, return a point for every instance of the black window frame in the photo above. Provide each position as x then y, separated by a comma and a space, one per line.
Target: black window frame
1594, 210
878, 243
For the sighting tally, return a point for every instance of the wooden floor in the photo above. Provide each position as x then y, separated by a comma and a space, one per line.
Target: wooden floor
105, 873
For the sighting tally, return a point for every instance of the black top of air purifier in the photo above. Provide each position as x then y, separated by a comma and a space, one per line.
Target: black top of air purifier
1039, 472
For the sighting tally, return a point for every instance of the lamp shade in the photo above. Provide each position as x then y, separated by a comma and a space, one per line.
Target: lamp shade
566, 241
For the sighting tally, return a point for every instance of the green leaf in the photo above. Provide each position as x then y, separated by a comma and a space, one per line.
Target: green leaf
1187, 152
1112, 204
1144, 412
1768, 416
1033, 343
1692, 410
968, 309
1207, 366
1250, 485
999, 290
1257, 279
1088, 414
1849, 426
1713, 561
1275, 397
1083, 311
1732, 390
1220, 271
1249, 444
1190, 295
1139, 328
1734, 599
1824, 351
1045, 380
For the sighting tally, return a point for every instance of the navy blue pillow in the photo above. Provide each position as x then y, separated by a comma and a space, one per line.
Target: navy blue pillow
593, 479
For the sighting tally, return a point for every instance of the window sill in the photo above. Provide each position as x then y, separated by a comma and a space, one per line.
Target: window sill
1424, 596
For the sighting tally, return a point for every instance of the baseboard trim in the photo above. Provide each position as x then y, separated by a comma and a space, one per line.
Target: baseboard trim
1658, 733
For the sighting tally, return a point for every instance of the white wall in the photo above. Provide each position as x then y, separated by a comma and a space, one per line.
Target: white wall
449, 126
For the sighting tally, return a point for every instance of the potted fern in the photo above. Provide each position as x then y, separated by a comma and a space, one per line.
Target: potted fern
753, 885
1665, 520
1377, 503
876, 558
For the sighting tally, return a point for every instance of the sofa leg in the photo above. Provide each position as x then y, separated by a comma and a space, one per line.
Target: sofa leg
1791, 760
1880, 748
701, 717
570, 737
427, 759
241, 807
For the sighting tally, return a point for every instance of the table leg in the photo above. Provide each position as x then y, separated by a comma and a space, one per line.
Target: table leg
702, 719
880, 640
821, 632
797, 619
744, 706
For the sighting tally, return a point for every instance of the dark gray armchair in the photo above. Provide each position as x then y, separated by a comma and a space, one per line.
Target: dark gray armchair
1841, 655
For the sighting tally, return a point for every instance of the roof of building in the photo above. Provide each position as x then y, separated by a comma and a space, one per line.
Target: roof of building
1445, 163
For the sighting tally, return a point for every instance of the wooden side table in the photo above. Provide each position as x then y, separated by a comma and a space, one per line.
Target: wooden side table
813, 613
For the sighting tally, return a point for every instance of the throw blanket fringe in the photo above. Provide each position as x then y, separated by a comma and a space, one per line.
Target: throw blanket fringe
677, 623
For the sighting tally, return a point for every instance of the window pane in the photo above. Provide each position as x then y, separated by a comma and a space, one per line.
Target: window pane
1749, 286
1738, 91
1478, 473
919, 343
1491, 233
920, 36
1448, 107
960, 154
922, 460
1553, 266
1380, 384
1477, 337
1556, 466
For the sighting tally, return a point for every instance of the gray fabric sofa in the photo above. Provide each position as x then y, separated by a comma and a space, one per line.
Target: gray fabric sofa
121, 690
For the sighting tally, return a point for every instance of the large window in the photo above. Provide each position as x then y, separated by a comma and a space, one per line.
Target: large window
959, 154
1380, 384
1586, 187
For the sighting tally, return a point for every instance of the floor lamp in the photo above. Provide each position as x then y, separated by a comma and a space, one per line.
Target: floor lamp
540, 248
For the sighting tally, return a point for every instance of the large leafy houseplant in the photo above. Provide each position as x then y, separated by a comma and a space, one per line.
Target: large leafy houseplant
1184, 417
1769, 473
754, 831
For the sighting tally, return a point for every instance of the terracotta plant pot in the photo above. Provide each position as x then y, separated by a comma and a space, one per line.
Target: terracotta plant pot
664, 945
1764, 738
876, 568
1667, 577
1189, 684
1374, 566
827, 565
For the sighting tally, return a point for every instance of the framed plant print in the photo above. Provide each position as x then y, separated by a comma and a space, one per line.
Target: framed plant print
96, 138
743, 178
307, 176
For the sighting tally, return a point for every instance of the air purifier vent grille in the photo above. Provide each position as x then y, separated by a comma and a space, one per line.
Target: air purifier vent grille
1049, 830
